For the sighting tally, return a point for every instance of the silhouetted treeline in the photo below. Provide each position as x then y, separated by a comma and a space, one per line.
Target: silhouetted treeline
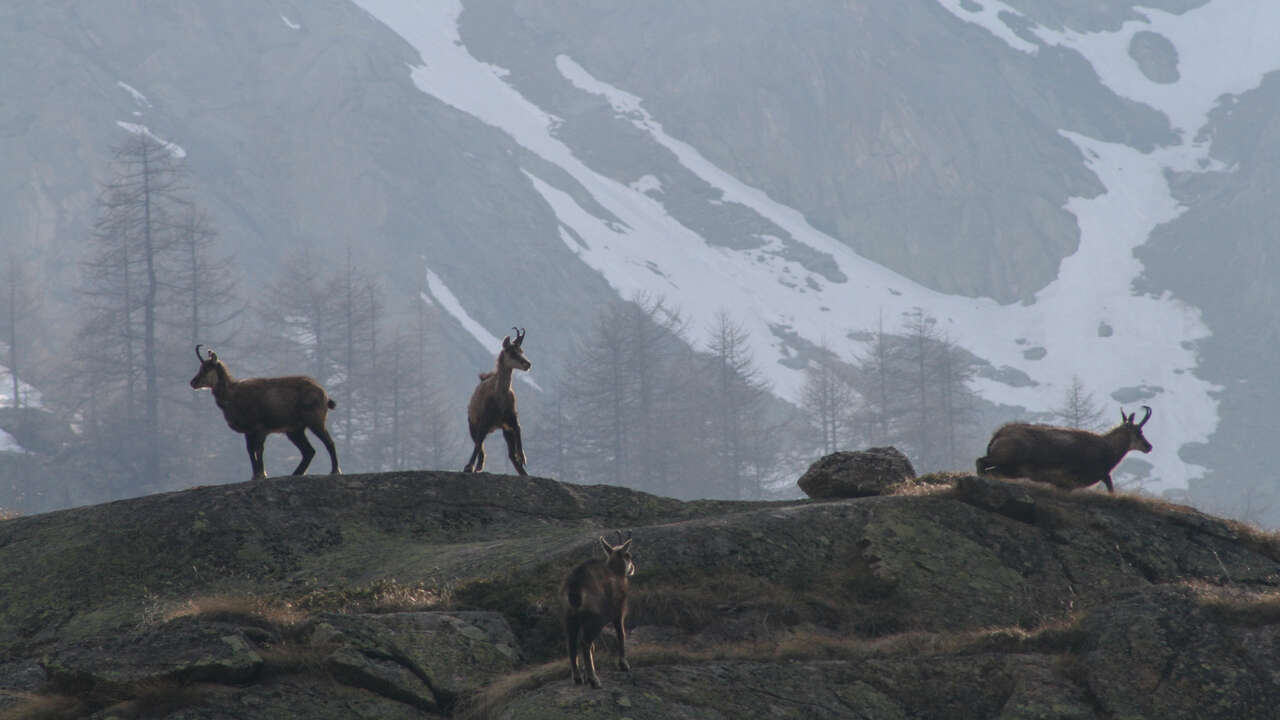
647, 401
639, 407
911, 388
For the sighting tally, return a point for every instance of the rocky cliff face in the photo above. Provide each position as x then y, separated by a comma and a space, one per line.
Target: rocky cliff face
436, 593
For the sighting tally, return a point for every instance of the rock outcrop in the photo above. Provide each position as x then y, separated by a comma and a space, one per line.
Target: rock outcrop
860, 473
437, 595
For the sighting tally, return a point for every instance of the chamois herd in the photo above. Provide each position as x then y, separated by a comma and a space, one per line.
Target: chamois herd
595, 592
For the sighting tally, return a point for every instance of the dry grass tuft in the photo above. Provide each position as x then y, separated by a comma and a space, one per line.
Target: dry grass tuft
33, 706
939, 484
154, 697
386, 595
1239, 606
807, 645
490, 701
245, 610
941, 477
237, 607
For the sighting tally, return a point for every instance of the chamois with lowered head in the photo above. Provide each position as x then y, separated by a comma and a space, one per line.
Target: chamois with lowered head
596, 595
258, 407
493, 405
1065, 457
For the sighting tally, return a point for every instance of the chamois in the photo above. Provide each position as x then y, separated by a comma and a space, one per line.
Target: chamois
258, 407
1065, 457
493, 406
596, 595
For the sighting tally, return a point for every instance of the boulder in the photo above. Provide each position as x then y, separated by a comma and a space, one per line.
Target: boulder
860, 473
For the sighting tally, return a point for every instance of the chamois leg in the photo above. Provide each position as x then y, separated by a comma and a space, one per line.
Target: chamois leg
321, 432
515, 427
572, 627
512, 437
1110, 487
622, 643
299, 439
476, 463
253, 442
591, 627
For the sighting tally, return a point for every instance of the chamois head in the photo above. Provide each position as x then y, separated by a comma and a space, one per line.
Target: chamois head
512, 356
618, 557
1136, 439
207, 376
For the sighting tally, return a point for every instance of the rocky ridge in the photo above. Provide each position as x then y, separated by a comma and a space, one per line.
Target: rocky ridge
412, 594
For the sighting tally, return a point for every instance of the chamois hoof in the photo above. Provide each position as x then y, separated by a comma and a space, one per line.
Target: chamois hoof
577, 680
624, 666
595, 682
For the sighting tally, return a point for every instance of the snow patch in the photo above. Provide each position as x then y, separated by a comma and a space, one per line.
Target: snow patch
647, 184
988, 16
138, 97
30, 395
290, 24
173, 148
9, 444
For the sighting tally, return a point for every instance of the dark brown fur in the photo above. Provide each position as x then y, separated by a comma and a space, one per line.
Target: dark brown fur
493, 406
258, 407
596, 595
1065, 457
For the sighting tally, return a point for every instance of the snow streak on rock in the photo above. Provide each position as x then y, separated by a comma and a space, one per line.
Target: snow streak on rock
173, 148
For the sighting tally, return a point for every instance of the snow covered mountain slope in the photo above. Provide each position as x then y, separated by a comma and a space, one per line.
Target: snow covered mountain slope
1069, 188
1088, 321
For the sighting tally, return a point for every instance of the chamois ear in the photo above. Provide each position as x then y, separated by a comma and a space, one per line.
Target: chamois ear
213, 356
608, 549
624, 546
506, 342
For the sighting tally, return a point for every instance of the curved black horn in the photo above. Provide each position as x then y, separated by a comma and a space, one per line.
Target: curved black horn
1146, 416
198, 353
519, 335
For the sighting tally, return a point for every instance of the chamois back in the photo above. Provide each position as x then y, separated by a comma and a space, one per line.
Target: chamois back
1065, 457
